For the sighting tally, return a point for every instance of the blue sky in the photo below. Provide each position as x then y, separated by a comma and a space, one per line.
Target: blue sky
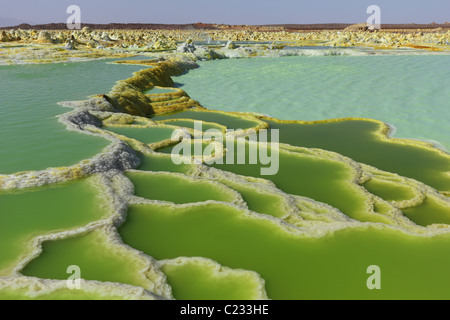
224, 11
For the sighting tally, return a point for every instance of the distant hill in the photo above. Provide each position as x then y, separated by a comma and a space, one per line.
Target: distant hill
4, 24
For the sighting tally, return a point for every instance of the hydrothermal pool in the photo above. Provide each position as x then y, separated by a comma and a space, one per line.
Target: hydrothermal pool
147, 135
195, 231
359, 141
177, 189
35, 213
202, 279
33, 139
330, 267
99, 259
228, 120
410, 92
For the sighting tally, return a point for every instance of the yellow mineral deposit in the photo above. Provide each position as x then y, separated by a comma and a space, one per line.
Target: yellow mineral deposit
113, 43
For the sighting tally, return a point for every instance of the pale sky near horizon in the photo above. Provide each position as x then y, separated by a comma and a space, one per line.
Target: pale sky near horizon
14, 12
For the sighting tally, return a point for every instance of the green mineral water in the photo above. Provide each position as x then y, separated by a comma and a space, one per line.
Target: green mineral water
146, 135
191, 124
228, 120
356, 139
248, 252
30, 213
259, 201
200, 281
295, 267
177, 188
162, 162
389, 191
93, 254
32, 137
410, 92
323, 180
430, 212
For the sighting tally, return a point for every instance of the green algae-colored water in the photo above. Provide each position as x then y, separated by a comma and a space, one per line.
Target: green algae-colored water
411, 92
195, 148
331, 267
389, 191
191, 124
97, 260
324, 266
430, 212
32, 138
323, 180
193, 281
261, 202
177, 189
147, 135
33, 213
228, 120
356, 139
161, 162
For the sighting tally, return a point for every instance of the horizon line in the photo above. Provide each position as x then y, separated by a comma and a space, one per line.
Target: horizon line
227, 24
